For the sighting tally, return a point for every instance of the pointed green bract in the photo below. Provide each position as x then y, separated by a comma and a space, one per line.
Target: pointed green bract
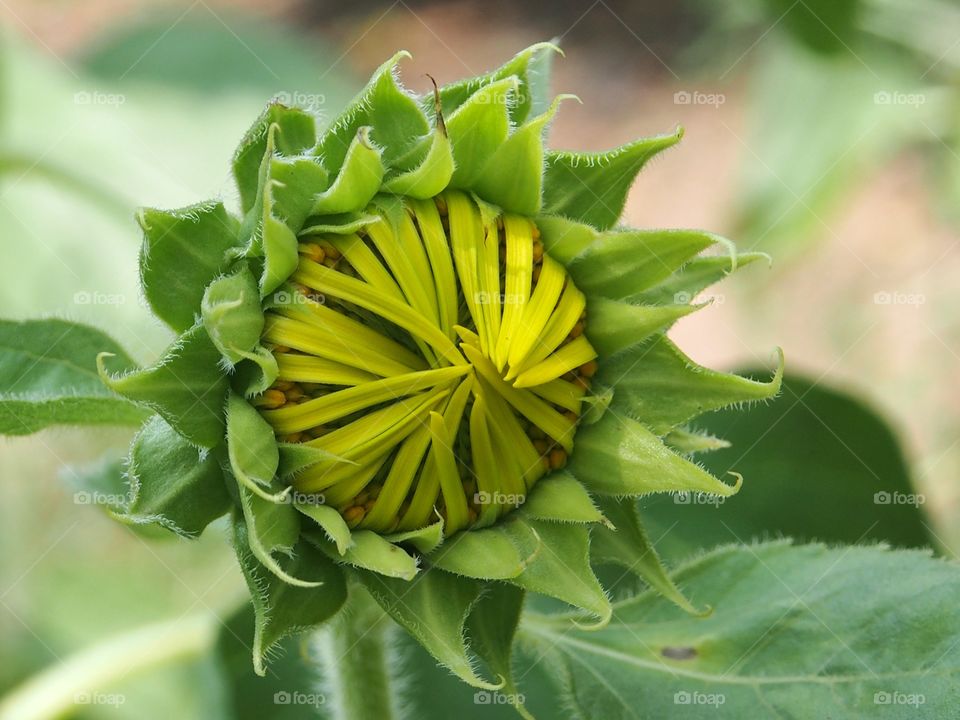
661, 386
369, 551
563, 239
186, 387
357, 182
491, 627
434, 610
431, 176
629, 547
697, 275
688, 441
253, 453
616, 326
282, 609
334, 527
620, 456
621, 264
48, 376
183, 250
592, 187
561, 498
172, 483
493, 553
562, 568
478, 127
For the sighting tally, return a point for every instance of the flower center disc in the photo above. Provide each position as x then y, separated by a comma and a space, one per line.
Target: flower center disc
438, 356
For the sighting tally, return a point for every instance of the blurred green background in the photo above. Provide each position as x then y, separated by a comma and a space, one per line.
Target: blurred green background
824, 133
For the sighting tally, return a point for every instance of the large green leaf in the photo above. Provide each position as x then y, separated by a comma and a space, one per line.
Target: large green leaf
186, 386
183, 250
48, 376
172, 483
814, 460
801, 632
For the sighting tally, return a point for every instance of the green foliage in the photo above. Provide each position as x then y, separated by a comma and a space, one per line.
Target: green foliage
48, 376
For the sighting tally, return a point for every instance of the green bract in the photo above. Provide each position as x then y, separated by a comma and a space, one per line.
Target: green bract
421, 360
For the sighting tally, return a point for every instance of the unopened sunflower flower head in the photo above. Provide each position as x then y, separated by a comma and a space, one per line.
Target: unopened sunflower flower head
423, 360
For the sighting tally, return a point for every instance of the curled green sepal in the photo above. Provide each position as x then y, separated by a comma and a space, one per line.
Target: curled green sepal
685, 284
182, 251
366, 550
479, 127
232, 315
172, 483
271, 528
425, 540
282, 609
625, 543
357, 182
252, 449
616, 325
592, 187
689, 442
499, 552
433, 610
620, 456
186, 387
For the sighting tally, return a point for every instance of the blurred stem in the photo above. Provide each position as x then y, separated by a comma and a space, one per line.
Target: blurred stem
358, 660
63, 688
86, 188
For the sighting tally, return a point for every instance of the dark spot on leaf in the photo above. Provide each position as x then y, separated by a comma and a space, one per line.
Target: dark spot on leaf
679, 653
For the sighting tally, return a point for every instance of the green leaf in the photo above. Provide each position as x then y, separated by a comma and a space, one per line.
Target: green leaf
182, 251
817, 463
620, 456
619, 264
491, 627
186, 387
433, 609
626, 544
661, 386
592, 187
283, 609
802, 631
296, 133
232, 315
173, 484
48, 376
616, 326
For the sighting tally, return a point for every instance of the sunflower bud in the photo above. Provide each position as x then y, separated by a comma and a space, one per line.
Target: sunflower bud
422, 347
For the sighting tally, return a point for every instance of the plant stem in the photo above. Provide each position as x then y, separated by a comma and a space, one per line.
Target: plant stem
358, 661
56, 691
